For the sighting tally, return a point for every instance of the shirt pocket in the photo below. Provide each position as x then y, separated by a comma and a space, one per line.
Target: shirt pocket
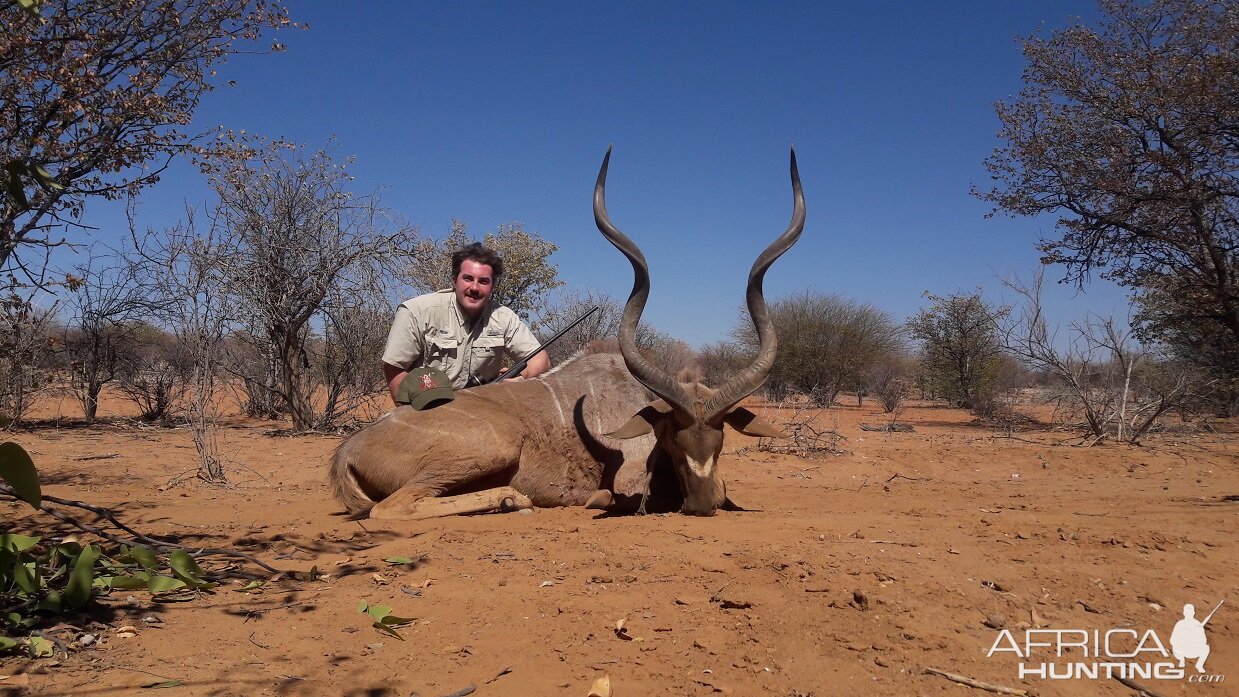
442, 348
486, 354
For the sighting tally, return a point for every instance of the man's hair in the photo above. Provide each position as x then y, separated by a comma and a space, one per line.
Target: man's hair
480, 254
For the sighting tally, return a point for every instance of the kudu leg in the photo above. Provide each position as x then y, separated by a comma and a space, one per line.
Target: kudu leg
418, 503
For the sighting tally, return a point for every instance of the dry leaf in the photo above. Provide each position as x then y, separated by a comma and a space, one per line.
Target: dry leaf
602, 686
23, 680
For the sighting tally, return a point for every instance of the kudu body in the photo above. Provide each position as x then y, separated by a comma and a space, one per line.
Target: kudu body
553, 438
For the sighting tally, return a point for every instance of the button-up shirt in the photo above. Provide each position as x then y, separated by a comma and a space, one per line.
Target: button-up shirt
430, 331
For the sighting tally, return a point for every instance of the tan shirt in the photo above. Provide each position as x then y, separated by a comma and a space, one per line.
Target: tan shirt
430, 331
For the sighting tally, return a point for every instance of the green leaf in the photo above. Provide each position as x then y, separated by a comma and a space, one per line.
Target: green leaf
17, 543
187, 569
390, 622
387, 630
133, 582
77, 592
164, 584
252, 585
143, 556
6, 643
399, 560
25, 576
39, 647
18, 470
363, 606
51, 602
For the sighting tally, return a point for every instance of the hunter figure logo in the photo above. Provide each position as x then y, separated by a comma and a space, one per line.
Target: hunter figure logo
1188, 639
428, 381
1120, 652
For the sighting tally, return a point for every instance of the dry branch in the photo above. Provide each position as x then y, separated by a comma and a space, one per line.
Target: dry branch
970, 682
1140, 689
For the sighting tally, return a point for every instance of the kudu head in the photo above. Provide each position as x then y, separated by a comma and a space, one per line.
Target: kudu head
688, 418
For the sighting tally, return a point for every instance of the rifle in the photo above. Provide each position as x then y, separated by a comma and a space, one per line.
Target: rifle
1219, 605
520, 365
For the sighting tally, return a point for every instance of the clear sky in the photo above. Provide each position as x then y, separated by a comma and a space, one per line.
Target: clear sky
494, 112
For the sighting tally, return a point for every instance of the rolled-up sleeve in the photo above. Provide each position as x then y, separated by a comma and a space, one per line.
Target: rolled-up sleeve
519, 340
404, 341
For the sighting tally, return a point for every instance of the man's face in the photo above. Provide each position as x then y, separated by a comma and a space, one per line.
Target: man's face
473, 286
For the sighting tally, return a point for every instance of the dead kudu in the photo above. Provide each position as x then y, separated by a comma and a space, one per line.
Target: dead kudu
552, 441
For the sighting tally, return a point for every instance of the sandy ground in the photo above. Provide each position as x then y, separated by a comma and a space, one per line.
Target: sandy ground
850, 574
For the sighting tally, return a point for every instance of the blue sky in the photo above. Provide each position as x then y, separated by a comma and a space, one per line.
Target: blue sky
494, 112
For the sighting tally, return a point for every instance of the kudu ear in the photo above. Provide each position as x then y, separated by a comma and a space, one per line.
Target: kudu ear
751, 424
643, 421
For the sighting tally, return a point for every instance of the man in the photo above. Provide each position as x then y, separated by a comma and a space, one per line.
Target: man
458, 330
1188, 639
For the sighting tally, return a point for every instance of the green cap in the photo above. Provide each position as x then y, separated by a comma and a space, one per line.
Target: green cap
423, 388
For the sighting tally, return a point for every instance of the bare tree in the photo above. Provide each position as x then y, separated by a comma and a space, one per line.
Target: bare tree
891, 380
92, 98
156, 374
25, 350
527, 277
1118, 388
186, 271
720, 359
343, 357
297, 241
106, 303
602, 328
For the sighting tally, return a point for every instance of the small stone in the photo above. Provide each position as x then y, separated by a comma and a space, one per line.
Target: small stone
995, 621
881, 662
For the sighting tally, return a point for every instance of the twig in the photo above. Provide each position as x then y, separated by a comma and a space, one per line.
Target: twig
844, 488
893, 542
255, 642
976, 683
500, 674
911, 479
108, 456
1135, 686
139, 538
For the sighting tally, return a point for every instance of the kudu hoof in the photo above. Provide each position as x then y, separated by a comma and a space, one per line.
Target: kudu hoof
600, 500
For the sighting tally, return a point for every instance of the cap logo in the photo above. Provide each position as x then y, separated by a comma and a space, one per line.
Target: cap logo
428, 382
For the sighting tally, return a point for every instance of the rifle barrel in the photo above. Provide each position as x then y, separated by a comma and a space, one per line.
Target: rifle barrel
520, 365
